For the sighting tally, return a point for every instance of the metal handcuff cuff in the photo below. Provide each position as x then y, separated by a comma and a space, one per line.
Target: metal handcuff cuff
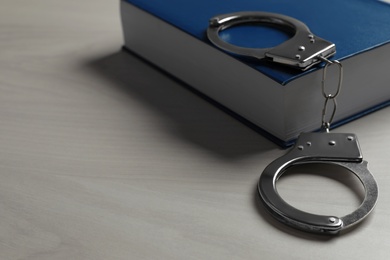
303, 51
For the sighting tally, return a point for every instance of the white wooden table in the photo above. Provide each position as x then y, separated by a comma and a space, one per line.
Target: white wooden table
104, 157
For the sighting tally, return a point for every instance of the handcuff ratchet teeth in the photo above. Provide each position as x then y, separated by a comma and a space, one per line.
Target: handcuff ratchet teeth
300, 51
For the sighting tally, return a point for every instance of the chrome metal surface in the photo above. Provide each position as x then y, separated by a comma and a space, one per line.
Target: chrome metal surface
330, 96
327, 148
301, 51
340, 78
326, 122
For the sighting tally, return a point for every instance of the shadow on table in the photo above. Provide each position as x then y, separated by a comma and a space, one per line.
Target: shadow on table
194, 120
184, 115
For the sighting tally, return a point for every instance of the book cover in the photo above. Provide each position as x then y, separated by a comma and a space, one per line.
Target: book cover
355, 26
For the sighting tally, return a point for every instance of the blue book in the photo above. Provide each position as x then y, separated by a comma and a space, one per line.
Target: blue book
277, 100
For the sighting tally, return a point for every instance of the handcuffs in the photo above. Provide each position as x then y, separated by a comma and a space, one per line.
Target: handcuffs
303, 51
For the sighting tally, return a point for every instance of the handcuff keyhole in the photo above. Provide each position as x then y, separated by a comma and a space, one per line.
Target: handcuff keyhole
256, 35
323, 189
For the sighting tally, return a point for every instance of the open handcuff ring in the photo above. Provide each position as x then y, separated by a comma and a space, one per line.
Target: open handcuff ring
301, 50
337, 149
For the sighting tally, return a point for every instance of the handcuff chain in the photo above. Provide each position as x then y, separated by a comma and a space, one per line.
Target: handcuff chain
330, 96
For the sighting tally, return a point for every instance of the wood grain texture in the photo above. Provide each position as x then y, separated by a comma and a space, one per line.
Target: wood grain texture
104, 157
